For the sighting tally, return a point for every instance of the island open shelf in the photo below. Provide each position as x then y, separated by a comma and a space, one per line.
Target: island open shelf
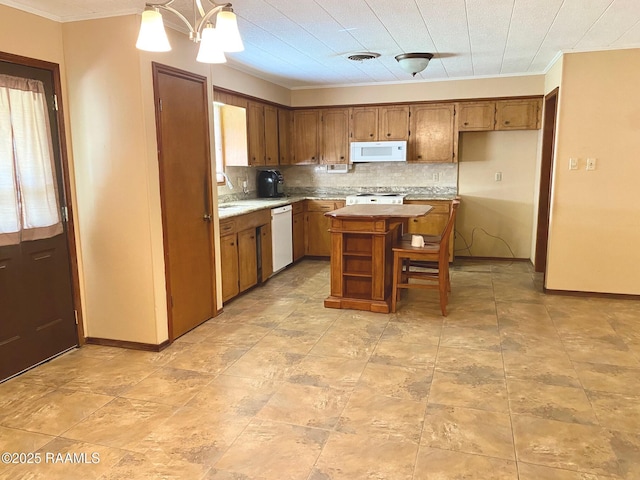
362, 237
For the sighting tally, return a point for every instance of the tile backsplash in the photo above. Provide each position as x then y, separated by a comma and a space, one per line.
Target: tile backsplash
436, 178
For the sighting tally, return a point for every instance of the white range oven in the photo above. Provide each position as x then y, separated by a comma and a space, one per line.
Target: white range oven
372, 198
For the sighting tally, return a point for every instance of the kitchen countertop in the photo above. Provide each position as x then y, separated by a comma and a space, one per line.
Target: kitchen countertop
380, 211
240, 207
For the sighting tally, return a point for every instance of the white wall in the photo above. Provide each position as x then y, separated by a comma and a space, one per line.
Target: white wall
491, 208
595, 216
420, 91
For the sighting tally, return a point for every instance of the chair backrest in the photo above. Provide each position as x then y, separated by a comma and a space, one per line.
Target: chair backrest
446, 233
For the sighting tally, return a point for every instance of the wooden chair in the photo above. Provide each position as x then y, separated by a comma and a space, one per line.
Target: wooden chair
436, 269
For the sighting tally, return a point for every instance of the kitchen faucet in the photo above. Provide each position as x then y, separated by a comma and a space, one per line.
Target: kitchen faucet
226, 180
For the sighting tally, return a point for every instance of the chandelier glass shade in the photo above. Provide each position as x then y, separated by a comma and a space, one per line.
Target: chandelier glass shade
213, 40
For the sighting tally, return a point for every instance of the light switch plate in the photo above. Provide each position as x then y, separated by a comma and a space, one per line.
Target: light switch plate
591, 163
573, 164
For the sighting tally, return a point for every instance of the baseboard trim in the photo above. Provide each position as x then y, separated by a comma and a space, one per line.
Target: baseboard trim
107, 342
575, 293
493, 259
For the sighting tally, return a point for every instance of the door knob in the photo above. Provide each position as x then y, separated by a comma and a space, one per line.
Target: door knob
207, 217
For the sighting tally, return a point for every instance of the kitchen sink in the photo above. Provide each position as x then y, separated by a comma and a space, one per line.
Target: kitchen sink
232, 208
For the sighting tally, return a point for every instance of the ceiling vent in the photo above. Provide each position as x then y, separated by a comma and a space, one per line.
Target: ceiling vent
362, 56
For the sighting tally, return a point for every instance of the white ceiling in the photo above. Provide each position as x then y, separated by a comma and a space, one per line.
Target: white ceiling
298, 43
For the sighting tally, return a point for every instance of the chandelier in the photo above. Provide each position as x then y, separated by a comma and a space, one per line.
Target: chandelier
214, 40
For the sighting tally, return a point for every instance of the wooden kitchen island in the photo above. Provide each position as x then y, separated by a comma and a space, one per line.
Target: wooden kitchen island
362, 237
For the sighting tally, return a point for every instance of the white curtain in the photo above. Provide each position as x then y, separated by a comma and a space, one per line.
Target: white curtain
29, 208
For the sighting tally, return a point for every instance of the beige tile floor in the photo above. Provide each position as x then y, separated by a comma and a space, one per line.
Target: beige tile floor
513, 384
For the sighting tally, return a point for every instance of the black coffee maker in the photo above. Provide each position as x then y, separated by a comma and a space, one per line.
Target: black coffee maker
270, 184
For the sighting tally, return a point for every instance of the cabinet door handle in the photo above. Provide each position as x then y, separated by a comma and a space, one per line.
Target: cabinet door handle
415, 220
419, 156
507, 122
342, 158
388, 134
466, 123
371, 134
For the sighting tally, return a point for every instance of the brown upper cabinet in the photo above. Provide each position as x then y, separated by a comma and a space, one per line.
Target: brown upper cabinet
379, 123
306, 136
284, 135
271, 135
476, 116
518, 114
334, 136
262, 134
433, 137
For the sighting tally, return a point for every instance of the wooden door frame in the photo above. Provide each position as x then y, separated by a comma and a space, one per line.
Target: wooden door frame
158, 69
546, 174
54, 68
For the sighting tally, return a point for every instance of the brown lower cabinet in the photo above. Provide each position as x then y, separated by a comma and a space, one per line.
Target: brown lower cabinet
297, 210
239, 252
310, 230
317, 237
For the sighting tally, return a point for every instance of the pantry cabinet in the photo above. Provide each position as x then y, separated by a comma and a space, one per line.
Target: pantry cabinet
433, 136
317, 236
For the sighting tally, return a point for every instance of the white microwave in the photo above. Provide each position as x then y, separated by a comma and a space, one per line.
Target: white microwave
391, 151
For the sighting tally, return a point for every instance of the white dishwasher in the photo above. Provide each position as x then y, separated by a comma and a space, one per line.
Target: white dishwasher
281, 236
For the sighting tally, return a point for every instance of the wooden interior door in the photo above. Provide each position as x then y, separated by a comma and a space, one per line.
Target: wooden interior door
546, 172
182, 123
37, 278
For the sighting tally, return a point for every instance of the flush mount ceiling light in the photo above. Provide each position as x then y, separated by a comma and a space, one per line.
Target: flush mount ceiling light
213, 40
414, 62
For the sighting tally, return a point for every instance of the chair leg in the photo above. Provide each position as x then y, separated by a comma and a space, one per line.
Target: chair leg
444, 286
443, 296
395, 291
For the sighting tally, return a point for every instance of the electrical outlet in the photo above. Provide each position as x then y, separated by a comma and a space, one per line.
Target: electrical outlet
591, 163
498, 176
435, 177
